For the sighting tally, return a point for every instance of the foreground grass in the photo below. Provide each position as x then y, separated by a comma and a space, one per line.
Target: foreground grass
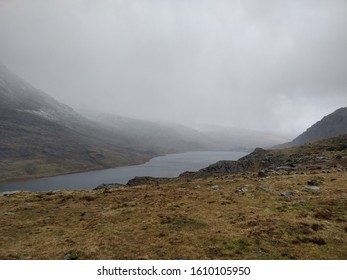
245, 217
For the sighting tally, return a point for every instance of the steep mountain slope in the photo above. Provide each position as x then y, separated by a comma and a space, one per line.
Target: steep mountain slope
331, 125
40, 136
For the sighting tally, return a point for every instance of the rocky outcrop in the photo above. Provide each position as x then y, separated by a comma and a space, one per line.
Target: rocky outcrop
109, 186
145, 180
298, 159
250, 163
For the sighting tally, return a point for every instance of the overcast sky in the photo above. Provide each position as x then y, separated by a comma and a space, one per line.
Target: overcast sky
267, 65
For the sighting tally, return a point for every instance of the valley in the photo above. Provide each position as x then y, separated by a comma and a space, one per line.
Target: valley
297, 209
41, 137
288, 202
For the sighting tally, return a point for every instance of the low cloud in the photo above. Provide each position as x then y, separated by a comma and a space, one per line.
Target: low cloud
267, 65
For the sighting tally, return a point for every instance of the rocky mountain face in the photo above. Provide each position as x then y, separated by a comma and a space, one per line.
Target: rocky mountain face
331, 125
40, 136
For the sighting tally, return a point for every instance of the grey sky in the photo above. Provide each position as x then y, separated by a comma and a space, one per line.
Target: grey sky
267, 65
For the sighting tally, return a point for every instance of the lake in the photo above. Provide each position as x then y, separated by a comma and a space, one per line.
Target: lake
164, 166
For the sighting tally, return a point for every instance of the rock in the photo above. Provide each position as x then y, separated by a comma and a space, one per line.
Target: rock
74, 255
323, 159
313, 182
9, 193
288, 194
311, 188
242, 189
109, 186
143, 181
215, 187
67, 257
261, 174
188, 174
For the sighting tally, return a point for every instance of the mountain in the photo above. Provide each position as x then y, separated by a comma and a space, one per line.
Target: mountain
40, 136
334, 124
331, 125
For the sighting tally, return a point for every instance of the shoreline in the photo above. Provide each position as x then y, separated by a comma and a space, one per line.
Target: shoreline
10, 185
29, 178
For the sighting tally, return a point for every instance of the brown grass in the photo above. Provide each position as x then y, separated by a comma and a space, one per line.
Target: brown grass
182, 220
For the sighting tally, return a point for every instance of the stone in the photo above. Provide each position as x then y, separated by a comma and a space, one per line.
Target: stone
288, 194
215, 187
67, 257
313, 182
242, 189
145, 180
109, 186
261, 174
311, 188
323, 159
9, 193
72, 256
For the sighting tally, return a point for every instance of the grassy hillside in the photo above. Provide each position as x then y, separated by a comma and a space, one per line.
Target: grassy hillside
33, 146
299, 212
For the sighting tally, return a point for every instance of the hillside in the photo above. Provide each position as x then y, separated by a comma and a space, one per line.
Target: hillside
40, 136
298, 210
331, 125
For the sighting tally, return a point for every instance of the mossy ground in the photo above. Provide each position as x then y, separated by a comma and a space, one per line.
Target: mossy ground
183, 219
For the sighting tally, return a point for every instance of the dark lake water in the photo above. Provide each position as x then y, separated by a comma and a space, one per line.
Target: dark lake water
164, 166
